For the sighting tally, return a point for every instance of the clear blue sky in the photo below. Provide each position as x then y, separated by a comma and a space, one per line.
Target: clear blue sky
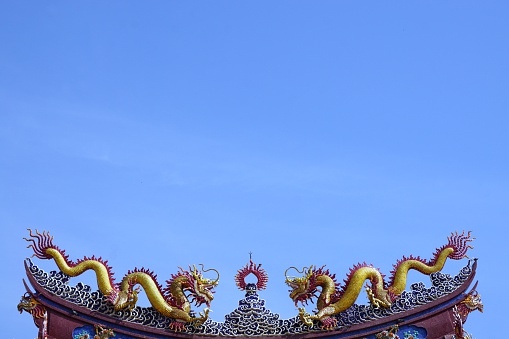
163, 134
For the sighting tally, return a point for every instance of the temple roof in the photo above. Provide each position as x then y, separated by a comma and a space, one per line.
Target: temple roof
436, 309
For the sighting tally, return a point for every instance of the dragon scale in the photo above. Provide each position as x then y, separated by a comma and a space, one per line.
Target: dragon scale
101, 271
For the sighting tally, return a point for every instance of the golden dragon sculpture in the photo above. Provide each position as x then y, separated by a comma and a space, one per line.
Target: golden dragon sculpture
171, 301
334, 298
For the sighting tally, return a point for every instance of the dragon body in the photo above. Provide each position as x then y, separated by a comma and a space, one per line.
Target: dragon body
171, 301
334, 298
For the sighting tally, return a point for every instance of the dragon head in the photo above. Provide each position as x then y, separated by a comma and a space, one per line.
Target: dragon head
302, 289
200, 289
471, 303
203, 288
30, 305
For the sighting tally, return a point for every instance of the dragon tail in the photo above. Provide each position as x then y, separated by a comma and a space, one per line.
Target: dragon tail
42, 245
459, 242
455, 249
40, 242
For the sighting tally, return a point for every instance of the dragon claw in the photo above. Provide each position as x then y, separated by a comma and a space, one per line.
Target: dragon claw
177, 326
329, 323
305, 317
203, 317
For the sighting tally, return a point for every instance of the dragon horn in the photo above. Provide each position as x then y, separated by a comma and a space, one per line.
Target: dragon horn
194, 272
215, 282
310, 272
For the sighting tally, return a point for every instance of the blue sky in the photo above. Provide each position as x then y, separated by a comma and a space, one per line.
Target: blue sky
166, 134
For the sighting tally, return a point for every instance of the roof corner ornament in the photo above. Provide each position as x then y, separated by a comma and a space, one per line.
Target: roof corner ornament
30, 305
